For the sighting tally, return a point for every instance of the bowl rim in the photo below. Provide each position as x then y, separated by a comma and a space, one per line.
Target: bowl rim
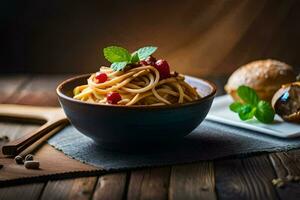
139, 107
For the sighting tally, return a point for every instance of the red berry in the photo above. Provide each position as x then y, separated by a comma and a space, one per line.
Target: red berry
149, 61
143, 62
113, 97
101, 77
163, 67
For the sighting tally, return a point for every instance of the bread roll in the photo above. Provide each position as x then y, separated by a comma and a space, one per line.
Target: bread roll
264, 76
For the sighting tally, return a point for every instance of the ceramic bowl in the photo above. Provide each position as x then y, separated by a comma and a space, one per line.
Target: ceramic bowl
116, 126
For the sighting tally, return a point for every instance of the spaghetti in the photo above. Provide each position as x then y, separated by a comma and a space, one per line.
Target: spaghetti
140, 85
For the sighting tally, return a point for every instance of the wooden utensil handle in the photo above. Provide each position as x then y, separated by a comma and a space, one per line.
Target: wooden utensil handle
34, 146
14, 147
53, 116
30, 112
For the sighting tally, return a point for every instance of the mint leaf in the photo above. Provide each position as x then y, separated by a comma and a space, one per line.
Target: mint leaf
248, 95
134, 58
264, 112
118, 66
116, 54
252, 106
145, 52
246, 112
235, 107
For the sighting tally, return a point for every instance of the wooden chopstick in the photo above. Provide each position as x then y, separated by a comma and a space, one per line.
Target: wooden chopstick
54, 117
34, 146
15, 147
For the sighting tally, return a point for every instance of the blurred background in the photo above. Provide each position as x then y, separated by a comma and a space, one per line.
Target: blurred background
197, 37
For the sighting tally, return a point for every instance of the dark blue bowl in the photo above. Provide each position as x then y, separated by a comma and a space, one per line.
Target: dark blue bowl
116, 126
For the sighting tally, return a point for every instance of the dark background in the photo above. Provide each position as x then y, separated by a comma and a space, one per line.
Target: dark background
198, 37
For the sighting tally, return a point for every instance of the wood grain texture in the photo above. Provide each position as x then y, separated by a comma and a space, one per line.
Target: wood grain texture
10, 84
39, 91
15, 130
53, 164
50, 116
78, 188
150, 183
13, 171
248, 178
28, 191
111, 186
23, 94
192, 181
287, 164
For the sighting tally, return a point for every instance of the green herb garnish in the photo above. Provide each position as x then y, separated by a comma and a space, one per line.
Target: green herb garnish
120, 57
251, 106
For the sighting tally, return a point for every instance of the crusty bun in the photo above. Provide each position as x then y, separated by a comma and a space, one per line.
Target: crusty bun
264, 76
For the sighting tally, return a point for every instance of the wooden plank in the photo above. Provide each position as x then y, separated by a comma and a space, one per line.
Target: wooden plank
15, 130
40, 91
249, 178
111, 186
192, 181
287, 166
28, 191
79, 188
150, 183
10, 84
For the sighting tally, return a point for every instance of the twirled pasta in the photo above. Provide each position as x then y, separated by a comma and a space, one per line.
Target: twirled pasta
137, 86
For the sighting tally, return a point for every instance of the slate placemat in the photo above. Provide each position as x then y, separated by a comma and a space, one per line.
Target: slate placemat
209, 141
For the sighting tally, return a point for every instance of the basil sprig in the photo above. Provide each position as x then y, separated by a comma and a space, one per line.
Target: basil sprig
251, 106
120, 57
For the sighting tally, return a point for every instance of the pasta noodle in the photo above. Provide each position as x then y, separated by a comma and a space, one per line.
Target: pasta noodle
137, 86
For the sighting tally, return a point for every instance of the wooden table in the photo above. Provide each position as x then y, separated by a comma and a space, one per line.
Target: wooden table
247, 178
